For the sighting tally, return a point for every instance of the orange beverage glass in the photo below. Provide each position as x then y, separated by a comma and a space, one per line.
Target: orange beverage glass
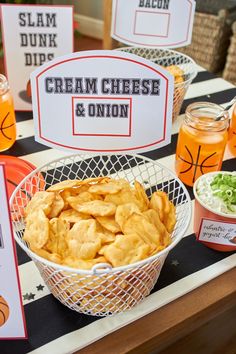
7, 116
201, 141
232, 134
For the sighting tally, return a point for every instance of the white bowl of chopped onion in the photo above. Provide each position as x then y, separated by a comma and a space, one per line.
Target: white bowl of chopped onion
215, 210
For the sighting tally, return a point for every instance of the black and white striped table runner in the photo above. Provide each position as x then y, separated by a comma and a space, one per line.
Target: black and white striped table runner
55, 329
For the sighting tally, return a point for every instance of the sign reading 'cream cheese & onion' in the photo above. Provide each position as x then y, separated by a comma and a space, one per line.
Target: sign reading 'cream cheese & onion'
105, 101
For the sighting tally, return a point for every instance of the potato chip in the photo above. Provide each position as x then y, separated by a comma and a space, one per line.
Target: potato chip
56, 207
72, 192
158, 203
177, 72
68, 193
109, 223
144, 229
82, 240
179, 79
37, 229
105, 188
65, 194
153, 216
124, 211
105, 235
78, 189
166, 209
165, 201
52, 257
93, 180
40, 200
56, 243
170, 219
83, 197
124, 196
73, 216
123, 183
126, 249
141, 196
83, 264
67, 184
96, 208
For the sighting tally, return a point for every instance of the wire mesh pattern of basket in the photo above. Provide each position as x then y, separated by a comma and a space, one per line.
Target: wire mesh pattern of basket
165, 57
103, 290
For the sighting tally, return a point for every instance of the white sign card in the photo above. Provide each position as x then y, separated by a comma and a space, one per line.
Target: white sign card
12, 321
220, 233
102, 101
153, 23
33, 35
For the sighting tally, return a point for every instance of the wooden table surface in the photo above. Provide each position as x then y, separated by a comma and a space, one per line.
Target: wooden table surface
203, 320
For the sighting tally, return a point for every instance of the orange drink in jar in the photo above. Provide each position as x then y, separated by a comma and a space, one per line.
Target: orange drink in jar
7, 116
201, 141
232, 133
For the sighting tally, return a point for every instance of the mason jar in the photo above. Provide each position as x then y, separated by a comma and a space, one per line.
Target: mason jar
232, 133
7, 116
201, 142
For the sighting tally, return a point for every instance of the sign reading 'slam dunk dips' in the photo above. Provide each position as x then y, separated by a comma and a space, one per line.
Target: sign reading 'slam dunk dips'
33, 35
153, 23
102, 101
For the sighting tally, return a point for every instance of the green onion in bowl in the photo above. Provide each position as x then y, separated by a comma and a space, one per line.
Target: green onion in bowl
224, 187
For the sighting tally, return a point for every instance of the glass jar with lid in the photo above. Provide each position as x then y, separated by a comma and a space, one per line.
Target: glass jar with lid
7, 116
201, 142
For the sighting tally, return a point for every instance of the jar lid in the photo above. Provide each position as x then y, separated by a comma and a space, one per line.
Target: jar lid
4, 86
202, 116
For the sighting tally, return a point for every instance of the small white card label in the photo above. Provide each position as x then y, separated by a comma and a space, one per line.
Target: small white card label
153, 23
221, 233
12, 322
33, 35
107, 101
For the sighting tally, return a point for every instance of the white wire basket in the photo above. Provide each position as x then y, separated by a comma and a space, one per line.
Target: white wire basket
166, 57
103, 290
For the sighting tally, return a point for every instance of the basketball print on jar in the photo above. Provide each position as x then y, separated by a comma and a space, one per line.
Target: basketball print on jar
4, 311
7, 116
201, 141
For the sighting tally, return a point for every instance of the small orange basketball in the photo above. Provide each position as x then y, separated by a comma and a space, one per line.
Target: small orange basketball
4, 311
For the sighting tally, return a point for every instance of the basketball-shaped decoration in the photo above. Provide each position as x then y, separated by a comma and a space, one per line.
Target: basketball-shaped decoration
4, 311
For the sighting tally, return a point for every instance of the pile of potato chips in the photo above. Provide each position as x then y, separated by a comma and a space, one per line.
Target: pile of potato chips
80, 223
177, 72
